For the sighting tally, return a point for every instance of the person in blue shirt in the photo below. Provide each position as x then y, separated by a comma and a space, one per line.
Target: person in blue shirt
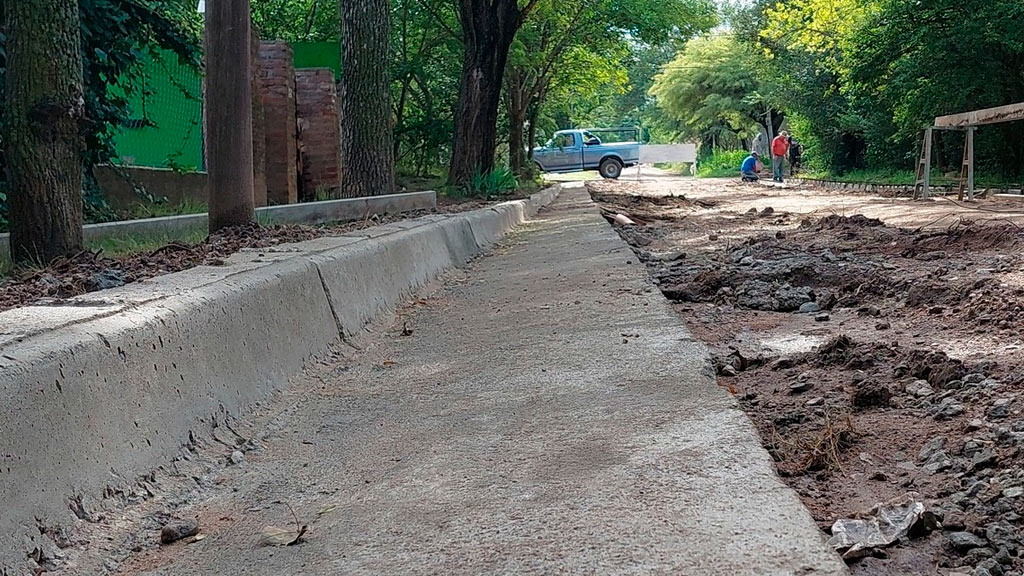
748, 169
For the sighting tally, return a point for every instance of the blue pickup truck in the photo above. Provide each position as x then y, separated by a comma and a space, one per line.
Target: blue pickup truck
578, 150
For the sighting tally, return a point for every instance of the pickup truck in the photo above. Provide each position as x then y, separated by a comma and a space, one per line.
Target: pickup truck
577, 150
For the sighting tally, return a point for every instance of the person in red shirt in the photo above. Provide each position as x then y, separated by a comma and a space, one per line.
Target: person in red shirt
780, 148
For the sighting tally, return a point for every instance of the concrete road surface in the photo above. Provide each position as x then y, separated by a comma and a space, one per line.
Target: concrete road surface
548, 414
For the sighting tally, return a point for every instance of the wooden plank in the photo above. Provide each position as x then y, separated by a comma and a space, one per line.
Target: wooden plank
996, 115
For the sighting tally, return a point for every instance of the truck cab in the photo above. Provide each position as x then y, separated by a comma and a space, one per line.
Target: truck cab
579, 150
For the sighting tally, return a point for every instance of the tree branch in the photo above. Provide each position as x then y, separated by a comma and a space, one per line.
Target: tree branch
440, 20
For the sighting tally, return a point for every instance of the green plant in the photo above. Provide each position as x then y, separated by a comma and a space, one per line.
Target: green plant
498, 182
323, 193
721, 163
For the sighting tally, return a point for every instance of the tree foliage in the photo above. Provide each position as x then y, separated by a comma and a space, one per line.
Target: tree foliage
296, 20
862, 77
569, 62
712, 89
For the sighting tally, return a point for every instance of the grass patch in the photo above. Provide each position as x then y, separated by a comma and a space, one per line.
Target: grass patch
121, 246
140, 211
419, 183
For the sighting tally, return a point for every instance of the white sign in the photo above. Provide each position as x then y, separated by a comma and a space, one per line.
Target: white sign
665, 153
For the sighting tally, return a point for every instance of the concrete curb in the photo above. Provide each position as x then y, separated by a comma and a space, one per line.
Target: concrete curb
310, 213
904, 189
111, 385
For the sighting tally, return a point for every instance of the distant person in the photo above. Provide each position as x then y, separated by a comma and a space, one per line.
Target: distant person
759, 143
780, 148
749, 169
796, 152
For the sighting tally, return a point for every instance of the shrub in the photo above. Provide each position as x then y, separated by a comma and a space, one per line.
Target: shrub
721, 163
498, 182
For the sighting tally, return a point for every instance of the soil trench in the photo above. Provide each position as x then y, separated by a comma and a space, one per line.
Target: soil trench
879, 362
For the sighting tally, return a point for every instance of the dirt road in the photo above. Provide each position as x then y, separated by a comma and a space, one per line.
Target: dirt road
876, 343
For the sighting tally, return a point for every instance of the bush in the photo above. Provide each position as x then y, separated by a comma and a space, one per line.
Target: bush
487, 185
721, 163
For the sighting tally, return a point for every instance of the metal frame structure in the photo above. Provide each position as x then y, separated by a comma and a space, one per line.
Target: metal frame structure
969, 123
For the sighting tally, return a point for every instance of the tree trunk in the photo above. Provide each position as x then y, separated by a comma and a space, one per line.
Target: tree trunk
516, 104
367, 156
229, 100
488, 28
259, 135
531, 138
44, 107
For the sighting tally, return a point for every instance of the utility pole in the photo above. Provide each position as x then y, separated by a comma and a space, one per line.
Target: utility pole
229, 113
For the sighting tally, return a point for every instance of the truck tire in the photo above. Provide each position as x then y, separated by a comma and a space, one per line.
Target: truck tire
610, 168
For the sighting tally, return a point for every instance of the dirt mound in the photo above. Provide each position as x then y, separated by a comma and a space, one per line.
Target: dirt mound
935, 367
835, 221
965, 236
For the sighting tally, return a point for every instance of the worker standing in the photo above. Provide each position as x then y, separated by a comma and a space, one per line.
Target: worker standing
780, 148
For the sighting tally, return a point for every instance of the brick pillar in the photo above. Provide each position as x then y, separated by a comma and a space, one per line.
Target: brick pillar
316, 105
278, 72
259, 138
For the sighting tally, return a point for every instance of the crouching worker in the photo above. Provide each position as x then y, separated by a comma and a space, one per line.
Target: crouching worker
749, 168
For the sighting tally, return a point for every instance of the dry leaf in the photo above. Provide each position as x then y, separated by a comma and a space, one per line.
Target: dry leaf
274, 536
199, 537
327, 509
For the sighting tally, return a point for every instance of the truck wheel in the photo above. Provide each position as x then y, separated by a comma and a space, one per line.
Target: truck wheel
610, 168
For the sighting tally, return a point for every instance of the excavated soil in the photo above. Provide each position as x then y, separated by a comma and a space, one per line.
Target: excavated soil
876, 361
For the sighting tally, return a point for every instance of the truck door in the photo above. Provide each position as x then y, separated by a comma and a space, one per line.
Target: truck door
566, 155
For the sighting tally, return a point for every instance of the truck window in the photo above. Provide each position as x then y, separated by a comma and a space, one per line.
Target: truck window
590, 139
565, 140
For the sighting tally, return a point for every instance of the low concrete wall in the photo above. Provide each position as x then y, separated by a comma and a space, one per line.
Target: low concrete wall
309, 213
99, 390
177, 187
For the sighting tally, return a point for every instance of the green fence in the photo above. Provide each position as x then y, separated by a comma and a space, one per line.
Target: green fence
318, 55
166, 130
166, 126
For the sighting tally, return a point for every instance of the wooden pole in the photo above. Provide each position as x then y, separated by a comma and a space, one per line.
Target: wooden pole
229, 102
970, 162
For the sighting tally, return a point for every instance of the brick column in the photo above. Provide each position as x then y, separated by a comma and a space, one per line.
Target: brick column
278, 72
316, 105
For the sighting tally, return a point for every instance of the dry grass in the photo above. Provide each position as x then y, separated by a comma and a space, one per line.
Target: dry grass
818, 450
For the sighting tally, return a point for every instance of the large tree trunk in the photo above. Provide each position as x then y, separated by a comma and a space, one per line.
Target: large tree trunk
229, 100
488, 28
367, 156
44, 106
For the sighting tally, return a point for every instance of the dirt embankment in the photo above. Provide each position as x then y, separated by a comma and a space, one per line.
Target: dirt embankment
878, 363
